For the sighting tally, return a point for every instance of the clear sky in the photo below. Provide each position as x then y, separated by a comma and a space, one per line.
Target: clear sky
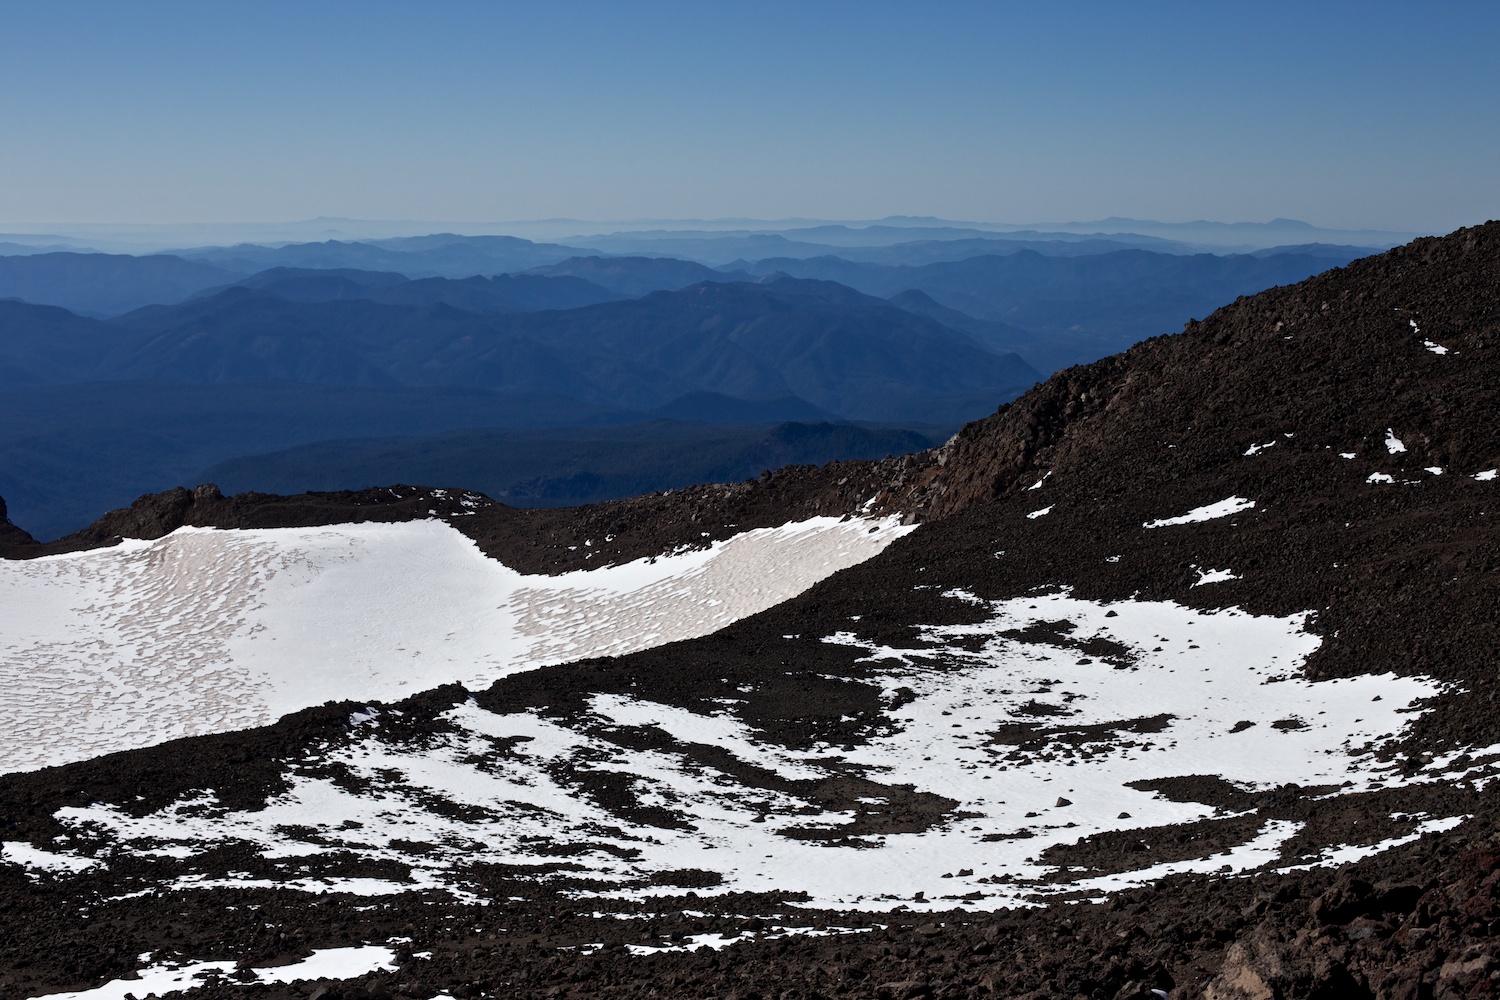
1348, 115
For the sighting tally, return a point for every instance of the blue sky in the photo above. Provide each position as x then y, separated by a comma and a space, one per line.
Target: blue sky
1348, 115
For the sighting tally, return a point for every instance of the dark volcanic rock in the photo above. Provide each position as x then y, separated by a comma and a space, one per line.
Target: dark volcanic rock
12, 538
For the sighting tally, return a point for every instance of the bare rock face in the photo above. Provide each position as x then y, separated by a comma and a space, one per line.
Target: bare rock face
12, 536
1261, 967
1333, 348
1347, 899
1240, 979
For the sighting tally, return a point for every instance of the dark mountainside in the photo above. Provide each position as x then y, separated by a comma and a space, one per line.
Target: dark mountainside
1262, 399
98, 284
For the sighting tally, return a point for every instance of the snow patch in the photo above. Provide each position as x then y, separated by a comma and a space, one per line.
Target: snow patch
1048, 697
1040, 513
720, 941
1434, 348
20, 853
159, 980
1224, 508
209, 630
1393, 444
1349, 853
1214, 576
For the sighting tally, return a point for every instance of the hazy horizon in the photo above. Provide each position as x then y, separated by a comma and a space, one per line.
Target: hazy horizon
155, 237
184, 114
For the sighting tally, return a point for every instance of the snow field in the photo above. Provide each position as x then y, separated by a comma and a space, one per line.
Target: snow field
1038, 736
210, 630
21, 853
170, 977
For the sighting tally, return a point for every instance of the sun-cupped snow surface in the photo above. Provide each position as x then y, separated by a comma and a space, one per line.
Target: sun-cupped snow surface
1224, 508
209, 630
1046, 722
169, 977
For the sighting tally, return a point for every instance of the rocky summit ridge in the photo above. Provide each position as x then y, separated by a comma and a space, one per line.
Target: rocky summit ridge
1321, 455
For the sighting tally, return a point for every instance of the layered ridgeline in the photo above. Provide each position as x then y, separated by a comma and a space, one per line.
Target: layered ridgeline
837, 349
404, 343
97, 412
1194, 638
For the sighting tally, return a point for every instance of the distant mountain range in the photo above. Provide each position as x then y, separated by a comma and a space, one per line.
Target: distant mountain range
123, 374
503, 293
440, 255
1213, 237
1074, 309
95, 284
1076, 300
634, 276
849, 354
96, 410
68, 452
